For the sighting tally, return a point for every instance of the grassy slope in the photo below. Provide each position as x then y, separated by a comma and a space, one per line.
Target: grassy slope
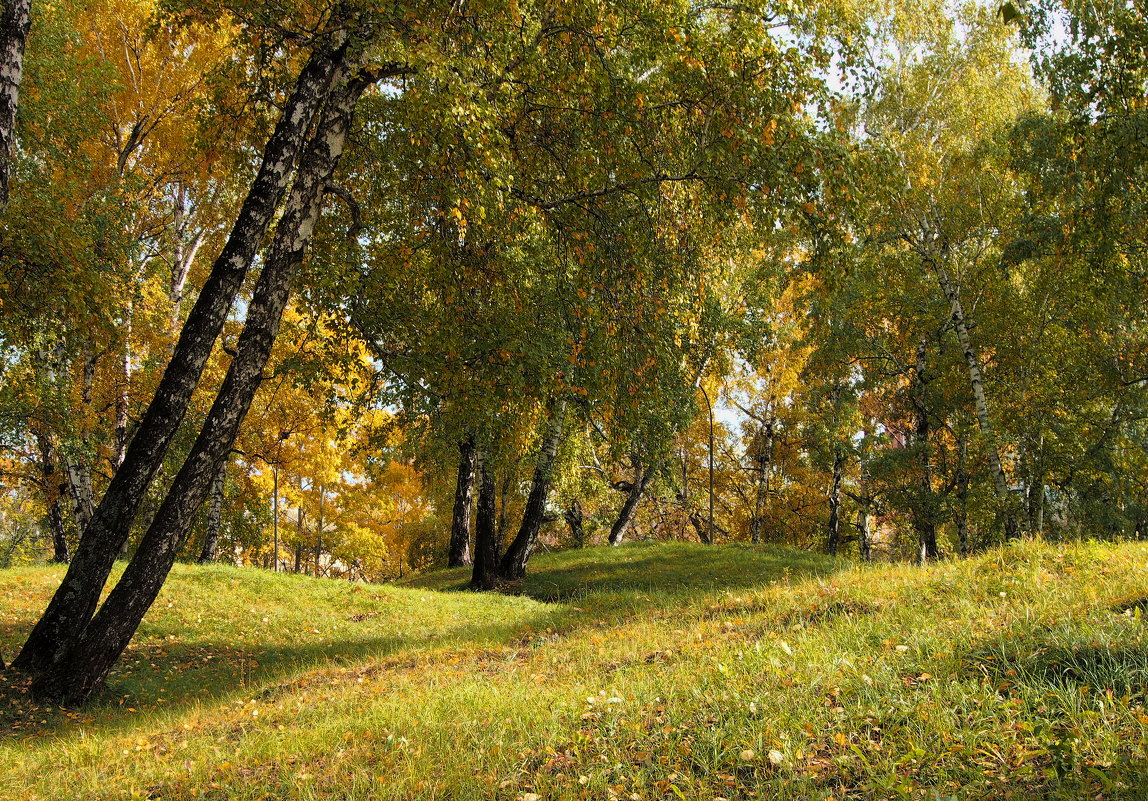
671, 671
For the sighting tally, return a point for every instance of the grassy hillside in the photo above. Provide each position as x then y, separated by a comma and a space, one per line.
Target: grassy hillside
645, 672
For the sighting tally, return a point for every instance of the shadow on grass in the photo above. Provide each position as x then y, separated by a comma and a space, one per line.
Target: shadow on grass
670, 572
1059, 674
664, 573
159, 678
1048, 663
586, 588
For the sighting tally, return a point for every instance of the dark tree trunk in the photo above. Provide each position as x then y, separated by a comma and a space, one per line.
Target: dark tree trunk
700, 527
55, 521
76, 465
508, 476
513, 564
835, 501
54, 488
214, 517
14, 26
463, 495
75, 600
762, 463
485, 574
573, 515
630, 507
81, 667
924, 511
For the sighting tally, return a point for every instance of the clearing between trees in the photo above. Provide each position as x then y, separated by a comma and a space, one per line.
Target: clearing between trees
640, 672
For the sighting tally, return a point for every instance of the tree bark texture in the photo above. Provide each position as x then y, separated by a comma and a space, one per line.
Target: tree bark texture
984, 421
630, 507
573, 515
123, 397
78, 595
485, 573
700, 527
762, 464
54, 488
834, 528
865, 531
504, 491
13, 32
214, 517
459, 554
184, 250
81, 667
513, 564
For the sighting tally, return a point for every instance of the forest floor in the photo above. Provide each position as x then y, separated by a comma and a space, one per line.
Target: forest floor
644, 672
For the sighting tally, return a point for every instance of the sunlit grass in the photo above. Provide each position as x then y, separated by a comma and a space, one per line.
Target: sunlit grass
649, 671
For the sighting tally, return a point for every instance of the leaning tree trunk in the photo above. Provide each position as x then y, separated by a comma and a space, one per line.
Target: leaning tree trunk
485, 573
81, 667
923, 511
78, 595
214, 516
513, 564
626, 514
984, 421
13, 31
459, 554
834, 527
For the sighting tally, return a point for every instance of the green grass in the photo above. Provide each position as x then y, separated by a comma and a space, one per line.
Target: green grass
649, 671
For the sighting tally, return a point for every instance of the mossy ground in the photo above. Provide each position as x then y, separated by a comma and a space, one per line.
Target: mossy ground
643, 672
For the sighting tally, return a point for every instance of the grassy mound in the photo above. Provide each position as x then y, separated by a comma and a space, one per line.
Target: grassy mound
644, 672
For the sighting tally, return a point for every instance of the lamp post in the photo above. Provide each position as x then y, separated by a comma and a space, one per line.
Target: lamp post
283, 437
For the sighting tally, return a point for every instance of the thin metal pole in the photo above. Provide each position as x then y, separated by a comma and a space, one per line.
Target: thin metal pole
319, 530
275, 513
710, 406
